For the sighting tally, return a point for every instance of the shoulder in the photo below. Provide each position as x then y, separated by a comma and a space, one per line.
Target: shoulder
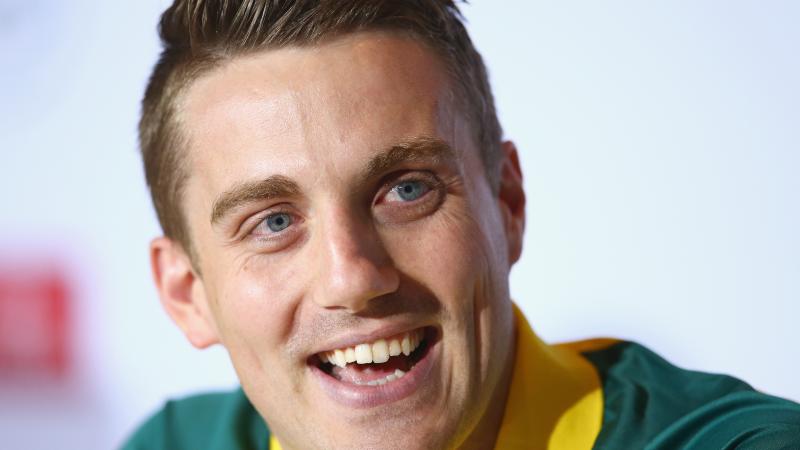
741, 420
224, 420
651, 403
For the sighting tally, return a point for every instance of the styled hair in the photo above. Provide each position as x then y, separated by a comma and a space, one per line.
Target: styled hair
199, 35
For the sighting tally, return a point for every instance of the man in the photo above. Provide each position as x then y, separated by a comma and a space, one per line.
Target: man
341, 214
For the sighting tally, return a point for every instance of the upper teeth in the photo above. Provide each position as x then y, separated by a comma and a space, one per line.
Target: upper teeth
378, 351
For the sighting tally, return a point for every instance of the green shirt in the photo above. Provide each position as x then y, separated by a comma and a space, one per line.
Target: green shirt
651, 404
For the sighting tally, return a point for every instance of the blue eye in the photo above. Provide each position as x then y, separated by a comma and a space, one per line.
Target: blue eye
278, 221
411, 190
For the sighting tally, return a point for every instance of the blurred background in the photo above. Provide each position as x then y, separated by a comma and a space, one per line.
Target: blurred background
660, 143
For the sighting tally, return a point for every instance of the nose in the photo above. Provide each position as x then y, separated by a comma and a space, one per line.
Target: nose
356, 267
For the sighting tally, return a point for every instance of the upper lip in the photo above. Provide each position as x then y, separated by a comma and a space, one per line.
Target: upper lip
351, 339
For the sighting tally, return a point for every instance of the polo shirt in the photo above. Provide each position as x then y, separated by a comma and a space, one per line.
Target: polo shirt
601, 393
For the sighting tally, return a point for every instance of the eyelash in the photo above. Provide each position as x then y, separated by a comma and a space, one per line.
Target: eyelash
395, 189
399, 212
431, 182
262, 222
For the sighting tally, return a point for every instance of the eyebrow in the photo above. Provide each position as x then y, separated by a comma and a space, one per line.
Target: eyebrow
275, 186
418, 149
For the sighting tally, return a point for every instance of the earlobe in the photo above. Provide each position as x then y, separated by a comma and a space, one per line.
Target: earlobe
181, 292
512, 200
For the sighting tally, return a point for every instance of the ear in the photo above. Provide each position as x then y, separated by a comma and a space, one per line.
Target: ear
512, 200
182, 292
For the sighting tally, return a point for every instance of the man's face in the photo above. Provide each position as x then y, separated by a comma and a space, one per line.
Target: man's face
339, 210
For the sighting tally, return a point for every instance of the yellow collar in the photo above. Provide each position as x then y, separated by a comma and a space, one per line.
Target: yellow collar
555, 401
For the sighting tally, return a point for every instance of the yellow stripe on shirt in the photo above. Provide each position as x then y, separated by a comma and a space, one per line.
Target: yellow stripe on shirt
273, 443
555, 401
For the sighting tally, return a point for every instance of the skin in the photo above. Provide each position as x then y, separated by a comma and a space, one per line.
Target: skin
356, 258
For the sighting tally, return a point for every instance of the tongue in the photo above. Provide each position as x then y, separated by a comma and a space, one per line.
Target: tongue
364, 373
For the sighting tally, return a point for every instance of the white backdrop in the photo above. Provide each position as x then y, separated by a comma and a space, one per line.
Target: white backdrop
660, 145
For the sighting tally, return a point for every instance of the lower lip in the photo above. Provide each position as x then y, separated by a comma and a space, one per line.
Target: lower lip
362, 396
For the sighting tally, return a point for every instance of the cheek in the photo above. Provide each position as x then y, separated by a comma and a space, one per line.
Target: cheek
255, 306
452, 254
459, 255
441, 252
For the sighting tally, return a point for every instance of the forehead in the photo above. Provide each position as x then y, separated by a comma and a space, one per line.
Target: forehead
321, 107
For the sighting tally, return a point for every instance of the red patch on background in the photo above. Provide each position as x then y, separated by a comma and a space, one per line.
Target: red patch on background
33, 322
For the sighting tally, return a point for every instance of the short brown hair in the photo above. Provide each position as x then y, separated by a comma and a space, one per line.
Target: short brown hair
198, 35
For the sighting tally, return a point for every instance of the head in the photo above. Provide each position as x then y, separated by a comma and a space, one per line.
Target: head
332, 185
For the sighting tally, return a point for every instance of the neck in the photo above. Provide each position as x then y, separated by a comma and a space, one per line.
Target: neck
484, 435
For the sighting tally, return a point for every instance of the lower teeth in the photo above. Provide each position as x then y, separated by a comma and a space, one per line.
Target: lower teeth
391, 377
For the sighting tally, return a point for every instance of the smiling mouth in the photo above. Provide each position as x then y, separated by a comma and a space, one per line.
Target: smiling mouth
376, 363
